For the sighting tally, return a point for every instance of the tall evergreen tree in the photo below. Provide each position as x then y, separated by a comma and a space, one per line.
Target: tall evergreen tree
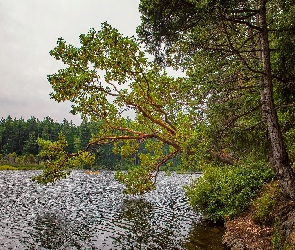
232, 50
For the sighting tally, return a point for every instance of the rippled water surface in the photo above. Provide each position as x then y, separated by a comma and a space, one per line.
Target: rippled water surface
90, 212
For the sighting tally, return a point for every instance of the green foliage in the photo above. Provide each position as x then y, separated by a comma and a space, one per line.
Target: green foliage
7, 167
228, 90
168, 173
277, 238
265, 203
137, 180
290, 141
29, 167
59, 164
221, 110
27, 159
19, 147
129, 82
225, 192
240, 55
21, 167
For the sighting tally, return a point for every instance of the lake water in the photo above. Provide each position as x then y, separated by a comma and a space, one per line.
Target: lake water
90, 212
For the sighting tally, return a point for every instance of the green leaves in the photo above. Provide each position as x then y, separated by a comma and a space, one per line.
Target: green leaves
138, 180
224, 192
59, 163
105, 77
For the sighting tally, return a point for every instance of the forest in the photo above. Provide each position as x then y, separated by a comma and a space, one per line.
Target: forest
232, 115
19, 141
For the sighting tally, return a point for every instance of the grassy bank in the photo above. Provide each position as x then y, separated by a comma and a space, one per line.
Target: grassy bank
21, 167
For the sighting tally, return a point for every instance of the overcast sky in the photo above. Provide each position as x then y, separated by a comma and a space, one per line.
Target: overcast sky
29, 30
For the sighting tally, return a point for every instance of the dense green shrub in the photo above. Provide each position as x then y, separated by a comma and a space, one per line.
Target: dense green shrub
223, 192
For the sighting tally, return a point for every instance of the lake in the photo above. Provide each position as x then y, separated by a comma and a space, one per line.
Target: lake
90, 212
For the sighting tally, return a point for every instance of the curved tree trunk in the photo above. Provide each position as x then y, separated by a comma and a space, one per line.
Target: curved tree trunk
280, 160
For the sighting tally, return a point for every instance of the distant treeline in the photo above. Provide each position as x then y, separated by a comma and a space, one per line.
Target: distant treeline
18, 140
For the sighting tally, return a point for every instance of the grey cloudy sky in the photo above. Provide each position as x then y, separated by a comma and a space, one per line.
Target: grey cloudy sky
29, 30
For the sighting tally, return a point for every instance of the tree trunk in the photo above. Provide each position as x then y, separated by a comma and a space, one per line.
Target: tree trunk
280, 160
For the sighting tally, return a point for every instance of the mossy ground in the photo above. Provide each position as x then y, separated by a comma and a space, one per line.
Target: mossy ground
269, 224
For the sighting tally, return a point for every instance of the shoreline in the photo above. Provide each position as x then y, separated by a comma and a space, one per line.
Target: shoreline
244, 233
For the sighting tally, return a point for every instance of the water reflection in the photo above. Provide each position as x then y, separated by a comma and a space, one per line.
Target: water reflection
134, 222
142, 225
54, 231
205, 236
90, 212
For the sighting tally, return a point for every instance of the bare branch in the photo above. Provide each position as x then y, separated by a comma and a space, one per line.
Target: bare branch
164, 160
243, 22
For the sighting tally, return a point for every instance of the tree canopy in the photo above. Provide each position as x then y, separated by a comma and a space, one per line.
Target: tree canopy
238, 53
164, 120
236, 101
19, 146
